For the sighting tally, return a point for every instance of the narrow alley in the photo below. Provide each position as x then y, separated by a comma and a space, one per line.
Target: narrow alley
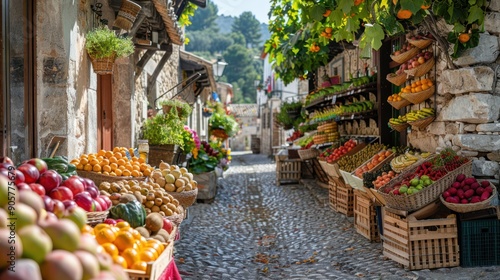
256, 230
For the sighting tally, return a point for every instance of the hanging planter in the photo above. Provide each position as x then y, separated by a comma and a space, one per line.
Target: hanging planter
127, 14
104, 46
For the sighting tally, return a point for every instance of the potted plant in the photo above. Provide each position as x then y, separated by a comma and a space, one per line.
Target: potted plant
104, 46
222, 125
183, 109
290, 115
165, 135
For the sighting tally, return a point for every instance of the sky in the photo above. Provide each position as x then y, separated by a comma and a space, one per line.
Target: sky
260, 8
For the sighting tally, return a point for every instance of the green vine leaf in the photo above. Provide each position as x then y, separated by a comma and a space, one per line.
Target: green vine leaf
374, 35
412, 5
475, 14
316, 13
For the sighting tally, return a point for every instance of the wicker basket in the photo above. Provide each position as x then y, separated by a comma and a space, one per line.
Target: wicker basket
177, 218
98, 178
104, 65
397, 79
399, 127
94, 218
422, 69
426, 195
419, 97
464, 208
165, 153
421, 44
185, 198
404, 57
399, 104
308, 154
422, 123
166, 109
127, 15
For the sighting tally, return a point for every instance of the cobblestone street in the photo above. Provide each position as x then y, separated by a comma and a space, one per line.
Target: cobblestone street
257, 230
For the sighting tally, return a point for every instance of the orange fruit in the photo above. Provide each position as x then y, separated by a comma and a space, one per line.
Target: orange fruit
131, 256
96, 168
140, 265
136, 234
122, 225
101, 226
111, 249
79, 166
121, 162
425, 86
154, 241
108, 154
118, 172
104, 161
113, 166
87, 167
124, 240
147, 172
464, 38
404, 14
87, 229
112, 159
105, 235
118, 155
142, 160
120, 261
106, 168
148, 255
126, 173
116, 149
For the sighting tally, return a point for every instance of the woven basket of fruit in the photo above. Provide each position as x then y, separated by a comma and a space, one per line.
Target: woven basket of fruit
399, 104
422, 69
399, 127
98, 178
308, 153
185, 198
422, 123
421, 43
419, 97
94, 218
405, 56
397, 79
477, 195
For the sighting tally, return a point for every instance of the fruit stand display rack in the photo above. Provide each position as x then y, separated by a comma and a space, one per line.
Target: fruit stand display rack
365, 219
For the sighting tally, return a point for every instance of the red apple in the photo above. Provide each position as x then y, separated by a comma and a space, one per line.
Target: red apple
61, 193
84, 200
102, 203
167, 225
69, 205
23, 187
97, 207
48, 202
39, 189
40, 164
74, 184
49, 180
93, 191
6, 160
110, 222
59, 208
30, 172
19, 177
108, 201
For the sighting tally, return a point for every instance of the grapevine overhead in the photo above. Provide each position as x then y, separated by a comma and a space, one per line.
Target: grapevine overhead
301, 30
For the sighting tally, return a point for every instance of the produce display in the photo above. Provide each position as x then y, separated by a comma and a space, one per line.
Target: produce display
295, 135
406, 159
332, 154
465, 190
376, 160
173, 178
45, 246
305, 142
61, 165
418, 86
383, 179
404, 48
119, 162
357, 107
412, 116
127, 246
409, 187
327, 132
350, 163
415, 62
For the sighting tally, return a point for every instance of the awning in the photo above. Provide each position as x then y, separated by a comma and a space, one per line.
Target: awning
192, 64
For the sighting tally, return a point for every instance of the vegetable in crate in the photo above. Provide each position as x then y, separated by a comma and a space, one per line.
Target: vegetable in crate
350, 163
132, 212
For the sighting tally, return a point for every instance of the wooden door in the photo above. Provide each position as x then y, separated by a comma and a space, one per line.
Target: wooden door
104, 112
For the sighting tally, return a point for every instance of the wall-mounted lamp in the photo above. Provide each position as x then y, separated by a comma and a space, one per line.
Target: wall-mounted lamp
218, 68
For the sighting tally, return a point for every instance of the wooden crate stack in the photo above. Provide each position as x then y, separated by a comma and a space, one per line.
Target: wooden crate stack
288, 170
365, 216
420, 244
345, 200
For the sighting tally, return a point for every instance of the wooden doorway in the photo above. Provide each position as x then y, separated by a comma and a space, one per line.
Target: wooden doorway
104, 112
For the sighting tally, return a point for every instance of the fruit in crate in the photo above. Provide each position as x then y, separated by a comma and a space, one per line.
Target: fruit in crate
395, 97
376, 160
466, 190
351, 162
383, 179
118, 162
406, 159
173, 178
411, 186
127, 246
330, 154
414, 62
399, 120
419, 114
153, 197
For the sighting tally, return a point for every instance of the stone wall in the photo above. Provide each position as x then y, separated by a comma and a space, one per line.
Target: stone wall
468, 104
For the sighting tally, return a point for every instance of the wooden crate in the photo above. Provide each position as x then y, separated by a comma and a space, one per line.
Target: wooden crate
319, 173
288, 170
156, 268
365, 216
345, 200
332, 195
420, 244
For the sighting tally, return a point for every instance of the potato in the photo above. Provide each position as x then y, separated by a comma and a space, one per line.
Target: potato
158, 201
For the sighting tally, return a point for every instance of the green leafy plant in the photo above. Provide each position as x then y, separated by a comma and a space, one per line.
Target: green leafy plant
224, 122
185, 109
164, 129
202, 163
103, 42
